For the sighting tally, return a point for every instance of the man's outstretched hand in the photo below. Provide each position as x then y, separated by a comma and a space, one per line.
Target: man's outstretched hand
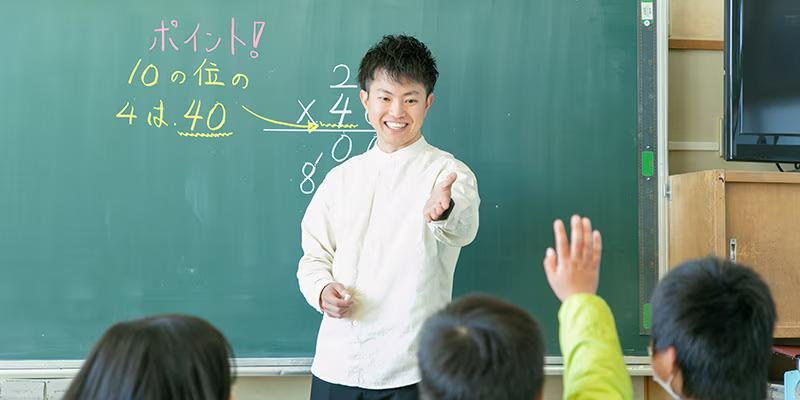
439, 202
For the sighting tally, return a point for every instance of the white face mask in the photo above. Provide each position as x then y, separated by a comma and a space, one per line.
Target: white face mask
667, 386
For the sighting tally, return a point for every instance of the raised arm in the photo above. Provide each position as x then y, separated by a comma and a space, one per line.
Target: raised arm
593, 363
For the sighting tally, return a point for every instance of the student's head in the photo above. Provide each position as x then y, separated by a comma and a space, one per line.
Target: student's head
164, 357
480, 347
397, 77
712, 331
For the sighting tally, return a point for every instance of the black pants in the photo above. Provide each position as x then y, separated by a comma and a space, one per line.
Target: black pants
321, 390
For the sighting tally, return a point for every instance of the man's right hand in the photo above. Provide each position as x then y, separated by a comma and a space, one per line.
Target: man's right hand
335, 300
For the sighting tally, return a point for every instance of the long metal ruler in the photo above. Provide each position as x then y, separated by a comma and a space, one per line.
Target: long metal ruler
647, 142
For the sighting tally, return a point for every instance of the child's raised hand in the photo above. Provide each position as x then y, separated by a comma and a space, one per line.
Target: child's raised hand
574, 267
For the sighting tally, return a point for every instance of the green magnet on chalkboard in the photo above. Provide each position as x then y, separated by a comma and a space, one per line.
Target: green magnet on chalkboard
646, 319
647, 163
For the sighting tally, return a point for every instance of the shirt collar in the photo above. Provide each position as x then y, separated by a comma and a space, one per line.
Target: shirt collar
405, 153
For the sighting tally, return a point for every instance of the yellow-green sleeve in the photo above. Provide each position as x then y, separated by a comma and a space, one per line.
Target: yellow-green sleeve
593, 364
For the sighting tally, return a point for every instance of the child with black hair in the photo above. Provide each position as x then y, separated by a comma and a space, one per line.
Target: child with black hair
480, 347
712, 331
167, 357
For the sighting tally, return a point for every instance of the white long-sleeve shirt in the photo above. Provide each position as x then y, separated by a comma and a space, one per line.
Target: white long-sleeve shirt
365, 229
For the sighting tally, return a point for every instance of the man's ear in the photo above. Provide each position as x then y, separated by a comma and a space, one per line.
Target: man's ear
429, 101
364, 96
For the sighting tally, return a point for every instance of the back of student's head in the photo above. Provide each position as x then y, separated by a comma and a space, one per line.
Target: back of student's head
480, 347
158, 358
719, 317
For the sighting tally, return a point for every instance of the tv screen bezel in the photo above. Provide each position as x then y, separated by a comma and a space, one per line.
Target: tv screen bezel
732, 116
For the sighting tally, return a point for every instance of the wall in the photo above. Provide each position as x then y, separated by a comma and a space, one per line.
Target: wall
245, 388
298, 388
696, 19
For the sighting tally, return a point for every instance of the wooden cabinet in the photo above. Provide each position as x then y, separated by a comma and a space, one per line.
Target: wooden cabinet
752, 216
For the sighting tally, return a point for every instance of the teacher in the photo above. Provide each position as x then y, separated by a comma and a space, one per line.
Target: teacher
382, 235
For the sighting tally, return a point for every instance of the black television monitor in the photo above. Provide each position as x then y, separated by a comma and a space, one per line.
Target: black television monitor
762, 80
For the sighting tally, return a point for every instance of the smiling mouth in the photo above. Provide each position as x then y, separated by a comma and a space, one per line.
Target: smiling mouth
395, 125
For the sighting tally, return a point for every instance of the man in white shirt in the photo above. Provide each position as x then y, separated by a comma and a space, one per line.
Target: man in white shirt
382, 235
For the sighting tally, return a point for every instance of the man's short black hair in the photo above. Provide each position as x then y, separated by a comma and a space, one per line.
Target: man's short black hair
480, 347
401, 57
719, 317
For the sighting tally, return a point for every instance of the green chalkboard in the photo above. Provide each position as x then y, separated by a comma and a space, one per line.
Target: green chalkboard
105, 217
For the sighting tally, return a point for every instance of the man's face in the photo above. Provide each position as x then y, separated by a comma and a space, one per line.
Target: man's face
396, 110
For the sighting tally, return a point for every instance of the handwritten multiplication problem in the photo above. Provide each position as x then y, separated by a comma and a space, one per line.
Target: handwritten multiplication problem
342, 148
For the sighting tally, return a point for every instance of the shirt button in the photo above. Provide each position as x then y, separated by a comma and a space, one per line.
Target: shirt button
354, 323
